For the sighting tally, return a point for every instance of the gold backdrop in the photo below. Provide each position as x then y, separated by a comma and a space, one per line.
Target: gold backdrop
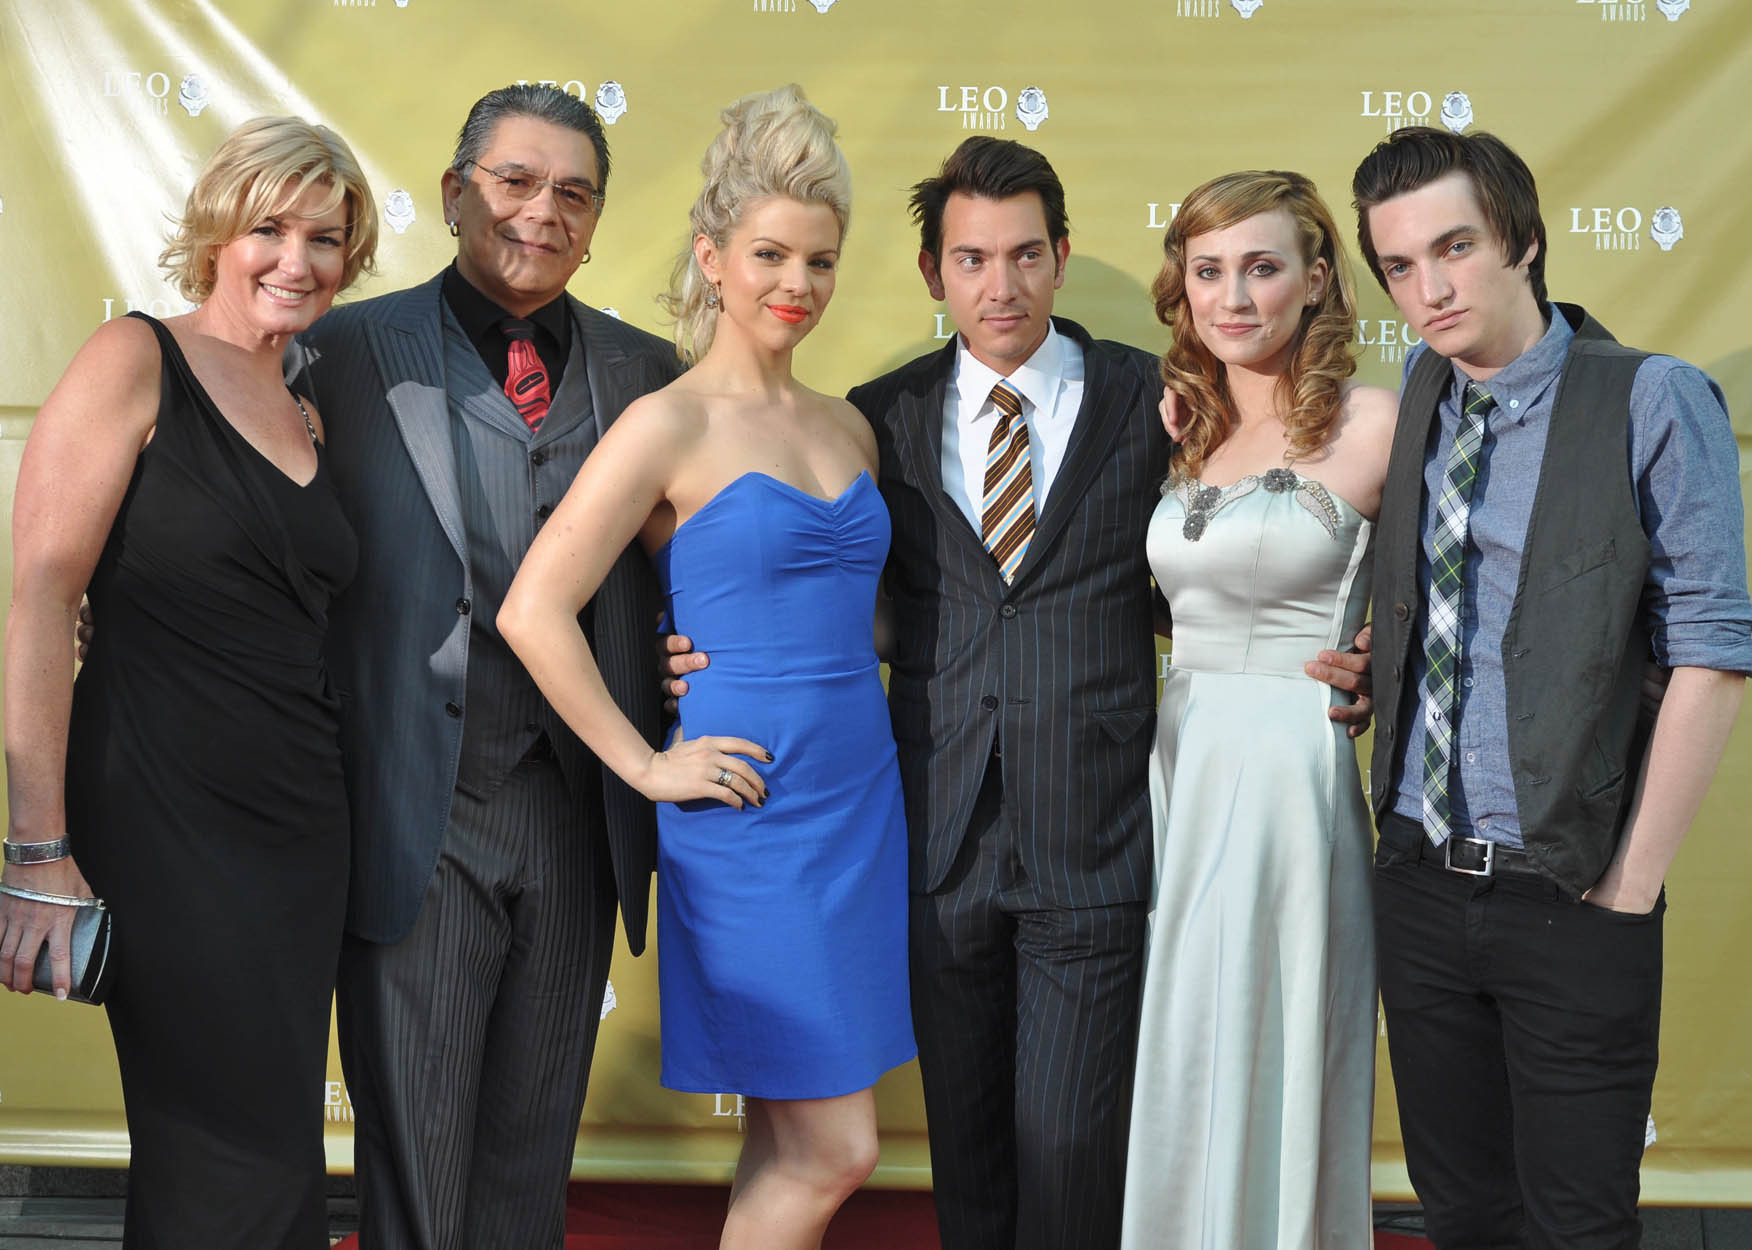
1633, 114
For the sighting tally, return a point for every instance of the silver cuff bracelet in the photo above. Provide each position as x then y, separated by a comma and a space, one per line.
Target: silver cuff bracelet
37, 852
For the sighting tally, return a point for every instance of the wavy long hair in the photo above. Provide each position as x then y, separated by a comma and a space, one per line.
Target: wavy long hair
1323, 355
773, 143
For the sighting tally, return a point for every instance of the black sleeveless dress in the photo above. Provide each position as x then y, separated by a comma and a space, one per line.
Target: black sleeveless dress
206, 806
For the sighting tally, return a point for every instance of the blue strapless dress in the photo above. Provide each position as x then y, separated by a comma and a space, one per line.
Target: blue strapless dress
782, 929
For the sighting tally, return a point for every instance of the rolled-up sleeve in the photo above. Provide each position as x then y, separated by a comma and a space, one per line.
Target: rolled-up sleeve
1687, 468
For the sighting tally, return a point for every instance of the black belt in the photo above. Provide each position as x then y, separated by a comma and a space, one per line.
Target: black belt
1471, 857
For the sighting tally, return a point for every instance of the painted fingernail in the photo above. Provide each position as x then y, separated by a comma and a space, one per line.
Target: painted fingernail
61, 995
769, 757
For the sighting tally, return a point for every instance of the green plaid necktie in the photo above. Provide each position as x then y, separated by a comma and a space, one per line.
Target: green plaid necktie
1442, 638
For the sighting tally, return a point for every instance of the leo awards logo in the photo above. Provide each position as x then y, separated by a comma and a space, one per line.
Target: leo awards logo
609, 99
1637, 10
152, 91
1158, 215
1621, 229
161, 307
725, 1106
337, 1103
988, 108
1417, 108
1214, 8
398, 210
790, 6
1391, 339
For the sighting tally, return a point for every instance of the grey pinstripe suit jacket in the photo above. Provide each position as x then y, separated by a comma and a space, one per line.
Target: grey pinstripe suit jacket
398, 639
1058, 668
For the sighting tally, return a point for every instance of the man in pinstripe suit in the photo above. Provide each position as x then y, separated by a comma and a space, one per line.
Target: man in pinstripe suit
1021, 709
489, 845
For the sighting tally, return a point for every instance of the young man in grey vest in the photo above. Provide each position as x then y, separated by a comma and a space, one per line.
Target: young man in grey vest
1559, 510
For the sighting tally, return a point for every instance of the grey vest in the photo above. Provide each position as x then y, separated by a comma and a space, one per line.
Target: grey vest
1577, 637
509, 480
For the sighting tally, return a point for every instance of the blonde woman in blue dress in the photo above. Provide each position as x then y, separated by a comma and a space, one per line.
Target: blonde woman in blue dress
781, 831
1254, 1096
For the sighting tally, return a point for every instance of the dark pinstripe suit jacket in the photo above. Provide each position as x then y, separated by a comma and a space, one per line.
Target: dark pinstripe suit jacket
1058, 668
398, 639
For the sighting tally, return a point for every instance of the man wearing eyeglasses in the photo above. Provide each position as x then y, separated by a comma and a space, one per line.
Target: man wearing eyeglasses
489, 846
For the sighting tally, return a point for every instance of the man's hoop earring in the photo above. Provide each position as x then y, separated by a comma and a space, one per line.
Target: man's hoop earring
454, 232
586, 259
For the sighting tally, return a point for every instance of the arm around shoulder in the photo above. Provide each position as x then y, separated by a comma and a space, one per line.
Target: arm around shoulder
623, 481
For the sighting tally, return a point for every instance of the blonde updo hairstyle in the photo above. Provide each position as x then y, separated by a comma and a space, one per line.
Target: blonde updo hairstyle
259, 171
774, 143
1311, 388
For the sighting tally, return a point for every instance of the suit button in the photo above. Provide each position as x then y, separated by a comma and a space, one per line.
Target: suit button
1008, 611
989, 703
463, 606
538, 458
543, 511
1402, 611
453, 709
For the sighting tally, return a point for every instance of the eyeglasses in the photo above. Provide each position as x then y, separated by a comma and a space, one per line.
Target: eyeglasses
575, 199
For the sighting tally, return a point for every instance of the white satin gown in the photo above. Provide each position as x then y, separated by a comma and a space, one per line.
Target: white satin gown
1252, 1114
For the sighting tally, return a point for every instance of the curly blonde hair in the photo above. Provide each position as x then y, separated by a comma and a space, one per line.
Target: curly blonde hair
774, 143
1323, 356
258, 170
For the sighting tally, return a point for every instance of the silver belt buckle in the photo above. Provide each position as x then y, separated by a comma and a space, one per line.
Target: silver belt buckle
1489, 857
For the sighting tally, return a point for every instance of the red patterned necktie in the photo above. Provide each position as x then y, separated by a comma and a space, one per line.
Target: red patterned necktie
526, 381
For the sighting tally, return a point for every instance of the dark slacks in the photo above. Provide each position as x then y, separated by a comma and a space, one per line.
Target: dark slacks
1026, 1019
468, 1043
1523, 1030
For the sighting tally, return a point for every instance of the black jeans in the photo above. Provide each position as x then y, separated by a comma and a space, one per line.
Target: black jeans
1524, 1032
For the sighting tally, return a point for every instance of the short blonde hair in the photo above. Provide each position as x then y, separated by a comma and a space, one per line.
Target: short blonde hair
774, 143
258, 171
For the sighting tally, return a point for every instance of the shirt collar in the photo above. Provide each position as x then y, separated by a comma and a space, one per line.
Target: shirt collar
1520, 384
480, 316
1038, 378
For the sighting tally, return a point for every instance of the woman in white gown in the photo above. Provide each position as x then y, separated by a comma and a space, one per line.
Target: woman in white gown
1254, 1098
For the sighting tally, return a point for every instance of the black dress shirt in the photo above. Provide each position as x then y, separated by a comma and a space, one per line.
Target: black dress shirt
480, 318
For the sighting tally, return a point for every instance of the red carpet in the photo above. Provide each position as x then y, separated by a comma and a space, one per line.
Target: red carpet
687, 1217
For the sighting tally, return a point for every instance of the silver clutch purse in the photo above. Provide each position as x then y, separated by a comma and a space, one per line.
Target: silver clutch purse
89, 948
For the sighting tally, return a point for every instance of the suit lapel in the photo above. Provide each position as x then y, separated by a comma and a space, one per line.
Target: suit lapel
918, 442
409, 347
1108, 402
616, 379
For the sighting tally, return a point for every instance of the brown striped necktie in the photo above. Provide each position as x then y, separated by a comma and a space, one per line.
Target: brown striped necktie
1007, 516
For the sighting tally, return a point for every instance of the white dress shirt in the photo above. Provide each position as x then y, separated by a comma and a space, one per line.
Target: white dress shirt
1051, 385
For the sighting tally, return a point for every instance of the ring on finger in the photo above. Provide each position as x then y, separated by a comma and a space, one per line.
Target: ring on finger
724, 776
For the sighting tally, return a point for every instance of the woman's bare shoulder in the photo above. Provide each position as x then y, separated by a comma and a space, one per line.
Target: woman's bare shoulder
1370, 404
112, 380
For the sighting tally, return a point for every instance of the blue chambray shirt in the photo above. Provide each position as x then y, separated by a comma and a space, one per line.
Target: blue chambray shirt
1686, 468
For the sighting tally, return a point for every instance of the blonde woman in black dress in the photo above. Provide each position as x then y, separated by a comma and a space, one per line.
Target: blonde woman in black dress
192, 776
